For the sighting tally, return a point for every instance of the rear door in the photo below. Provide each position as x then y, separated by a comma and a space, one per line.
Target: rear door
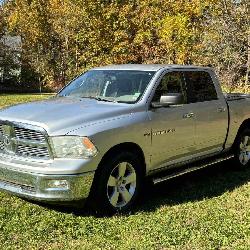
210, 111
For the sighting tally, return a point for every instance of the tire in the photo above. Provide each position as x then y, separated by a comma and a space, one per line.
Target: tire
117, 184
242, 149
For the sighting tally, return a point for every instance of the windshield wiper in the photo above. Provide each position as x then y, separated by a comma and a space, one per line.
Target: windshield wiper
103, 99
99, 98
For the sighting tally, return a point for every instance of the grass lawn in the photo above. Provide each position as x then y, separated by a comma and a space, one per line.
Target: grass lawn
209, 209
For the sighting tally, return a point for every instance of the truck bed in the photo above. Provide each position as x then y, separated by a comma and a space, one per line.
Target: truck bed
235, 96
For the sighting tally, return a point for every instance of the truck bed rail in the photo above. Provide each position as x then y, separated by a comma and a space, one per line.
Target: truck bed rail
235, 96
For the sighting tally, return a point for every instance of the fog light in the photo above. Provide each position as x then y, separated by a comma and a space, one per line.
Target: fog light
60, 184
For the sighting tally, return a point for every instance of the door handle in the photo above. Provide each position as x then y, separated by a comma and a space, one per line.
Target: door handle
221, 109
188, 115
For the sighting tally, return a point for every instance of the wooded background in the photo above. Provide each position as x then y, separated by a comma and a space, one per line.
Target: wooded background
62, 38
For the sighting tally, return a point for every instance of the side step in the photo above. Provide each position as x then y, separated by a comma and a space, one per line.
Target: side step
172, 173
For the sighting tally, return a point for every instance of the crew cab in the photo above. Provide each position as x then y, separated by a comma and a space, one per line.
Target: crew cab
112, 127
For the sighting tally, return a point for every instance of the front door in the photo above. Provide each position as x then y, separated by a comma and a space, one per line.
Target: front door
173, 126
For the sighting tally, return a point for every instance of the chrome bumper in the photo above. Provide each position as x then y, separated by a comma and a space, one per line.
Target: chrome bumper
41, 187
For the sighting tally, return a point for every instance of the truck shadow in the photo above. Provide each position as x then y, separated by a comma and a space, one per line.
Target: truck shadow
202, 184
206, 183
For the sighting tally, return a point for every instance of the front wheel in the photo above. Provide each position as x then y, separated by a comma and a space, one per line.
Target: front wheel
117, 183
242, 149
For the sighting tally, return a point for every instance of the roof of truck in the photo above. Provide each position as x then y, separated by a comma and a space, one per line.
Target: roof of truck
147, 67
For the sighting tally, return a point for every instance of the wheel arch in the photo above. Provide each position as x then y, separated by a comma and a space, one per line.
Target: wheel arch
128, 147
245, 124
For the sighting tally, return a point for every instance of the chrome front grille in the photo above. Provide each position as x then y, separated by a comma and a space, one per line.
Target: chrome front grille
23, 140
1, 130
27, 134
32, 151
1, 146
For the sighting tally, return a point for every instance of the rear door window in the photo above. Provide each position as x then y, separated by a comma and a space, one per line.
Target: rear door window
200, 86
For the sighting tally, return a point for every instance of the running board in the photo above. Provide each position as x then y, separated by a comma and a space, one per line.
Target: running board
190, 169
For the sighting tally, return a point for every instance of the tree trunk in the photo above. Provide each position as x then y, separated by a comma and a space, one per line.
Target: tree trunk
248, 60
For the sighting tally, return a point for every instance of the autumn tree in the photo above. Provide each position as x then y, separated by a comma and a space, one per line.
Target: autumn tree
62, 38
9, 58
225, 43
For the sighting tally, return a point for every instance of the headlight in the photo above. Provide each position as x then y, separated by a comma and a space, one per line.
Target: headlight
72, 147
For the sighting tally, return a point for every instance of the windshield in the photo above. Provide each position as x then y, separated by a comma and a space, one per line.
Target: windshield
109, 85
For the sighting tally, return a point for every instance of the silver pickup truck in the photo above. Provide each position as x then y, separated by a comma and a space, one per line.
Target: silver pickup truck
113, 126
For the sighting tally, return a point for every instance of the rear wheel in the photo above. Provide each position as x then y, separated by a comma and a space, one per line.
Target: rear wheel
117, 183
242, 149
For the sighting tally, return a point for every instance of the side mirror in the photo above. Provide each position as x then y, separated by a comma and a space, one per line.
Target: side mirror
169, 99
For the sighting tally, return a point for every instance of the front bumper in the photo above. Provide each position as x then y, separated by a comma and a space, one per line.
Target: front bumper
37, 186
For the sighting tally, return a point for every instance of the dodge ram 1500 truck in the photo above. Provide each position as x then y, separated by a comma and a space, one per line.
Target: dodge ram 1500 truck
113, 126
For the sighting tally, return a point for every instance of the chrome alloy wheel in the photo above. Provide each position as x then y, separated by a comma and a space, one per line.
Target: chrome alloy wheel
121, 185
244, 153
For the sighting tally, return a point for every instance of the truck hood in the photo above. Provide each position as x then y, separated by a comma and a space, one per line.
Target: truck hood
61, 115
